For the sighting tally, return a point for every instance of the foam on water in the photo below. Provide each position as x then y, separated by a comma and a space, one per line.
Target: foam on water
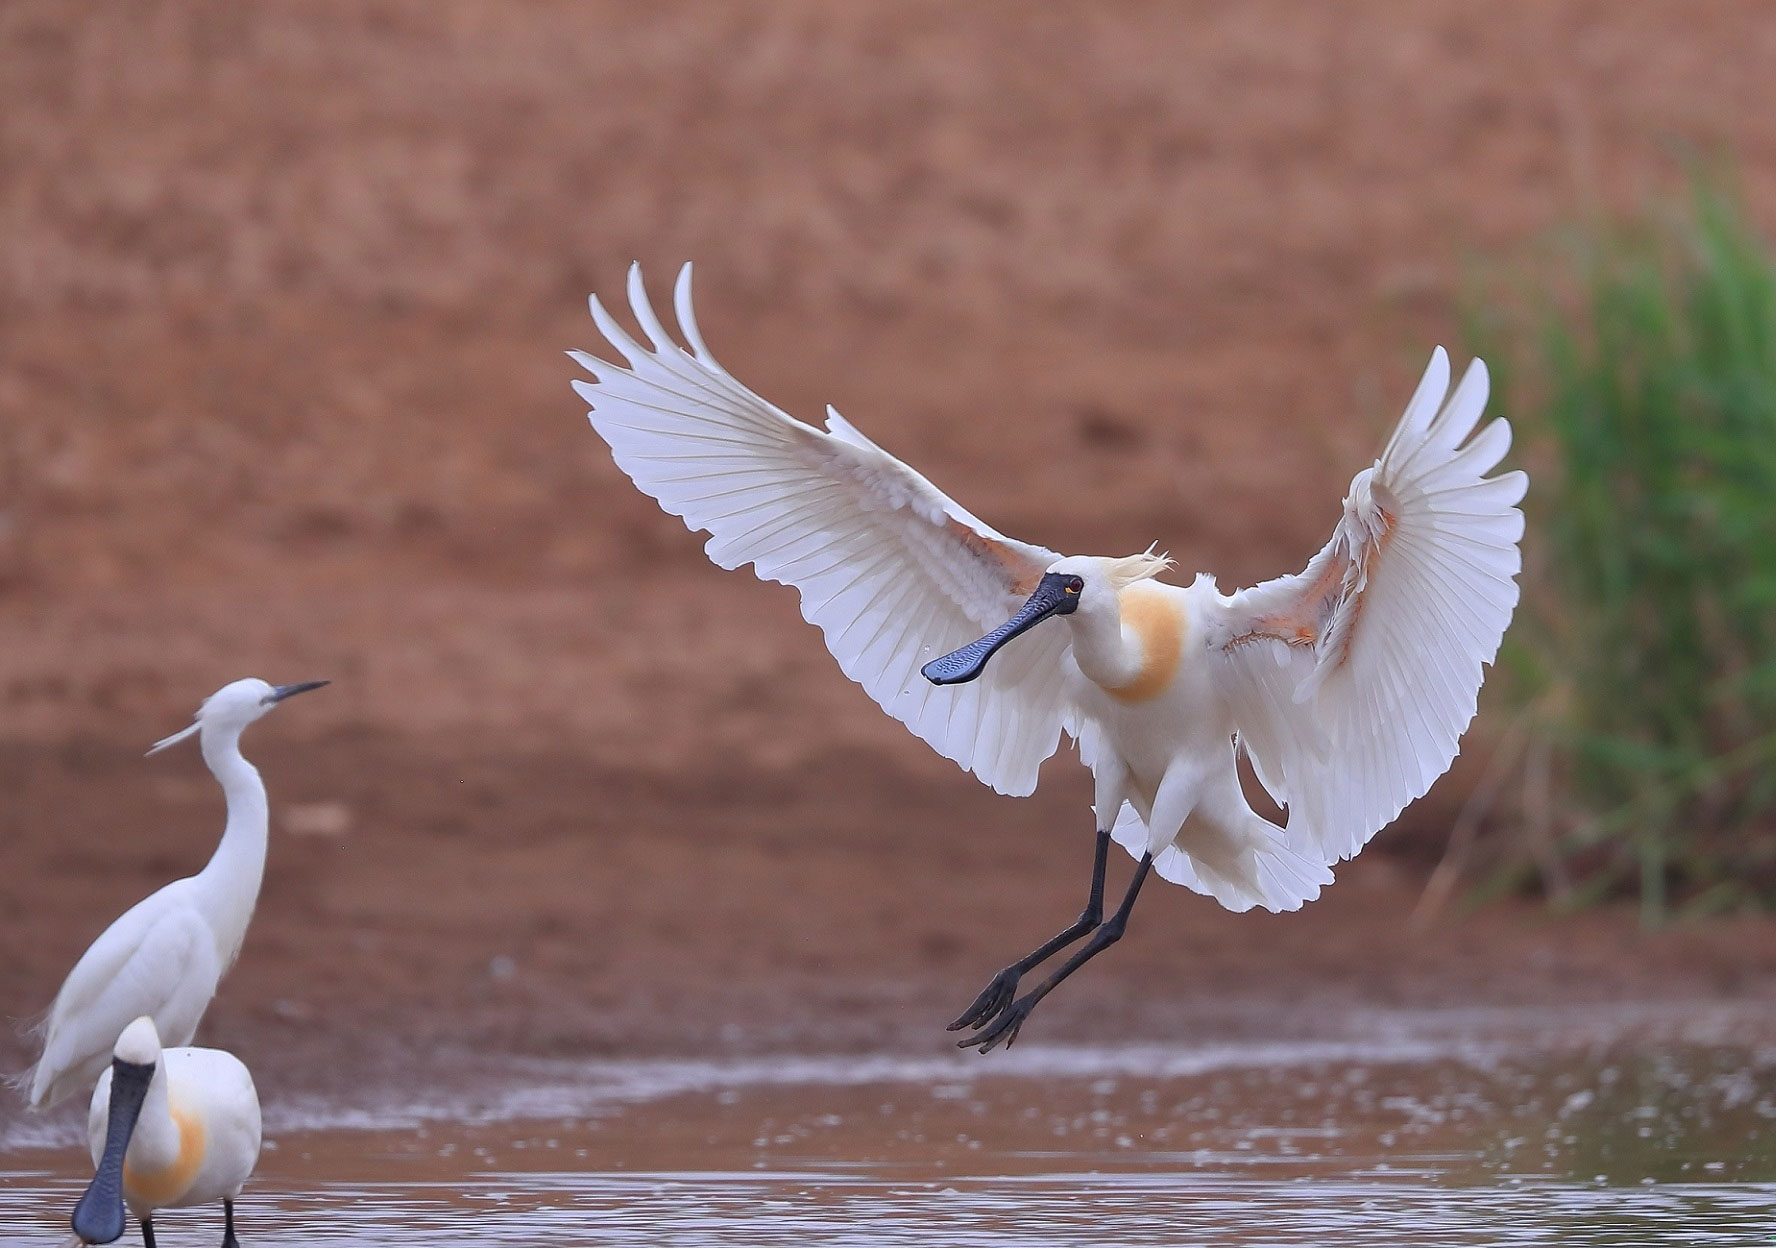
516, 1089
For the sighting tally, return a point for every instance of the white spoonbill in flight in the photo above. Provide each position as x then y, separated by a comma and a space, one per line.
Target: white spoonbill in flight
165, 955
1348, 685
169, 1129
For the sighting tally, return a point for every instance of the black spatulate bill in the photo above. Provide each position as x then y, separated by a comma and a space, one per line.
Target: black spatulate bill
99, 1217
1056, 594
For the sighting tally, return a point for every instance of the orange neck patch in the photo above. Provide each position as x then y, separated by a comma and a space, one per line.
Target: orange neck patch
160, 1187
1156, 620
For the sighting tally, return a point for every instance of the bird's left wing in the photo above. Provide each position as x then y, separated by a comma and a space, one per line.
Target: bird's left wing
159, 959
1351, 682
892, 571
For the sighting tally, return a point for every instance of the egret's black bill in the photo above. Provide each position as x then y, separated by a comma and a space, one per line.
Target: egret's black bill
99, 1217
1056, 594
280, 692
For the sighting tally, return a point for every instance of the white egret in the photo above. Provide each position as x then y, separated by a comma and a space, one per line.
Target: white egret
1348, 685
165, 955
169, 1129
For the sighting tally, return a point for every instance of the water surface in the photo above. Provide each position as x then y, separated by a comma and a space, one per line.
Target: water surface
1454, 1132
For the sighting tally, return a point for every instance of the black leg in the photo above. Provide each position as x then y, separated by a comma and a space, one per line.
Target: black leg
147, 1233
1005, 1028
228, 1239
999, 993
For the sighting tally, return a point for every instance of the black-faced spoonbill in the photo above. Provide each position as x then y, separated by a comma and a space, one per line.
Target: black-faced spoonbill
165, 955
169, 1129
1348, 685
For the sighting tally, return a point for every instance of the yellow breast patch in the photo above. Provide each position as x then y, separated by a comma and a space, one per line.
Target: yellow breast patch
160, 1187
1153, 617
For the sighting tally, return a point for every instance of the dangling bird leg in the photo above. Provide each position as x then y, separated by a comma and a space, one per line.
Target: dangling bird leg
1005, 1028
998, 994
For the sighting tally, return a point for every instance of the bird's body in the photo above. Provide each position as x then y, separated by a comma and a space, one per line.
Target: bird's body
1348, 685
1157, 737
197, 1140
194, 1138
165, 956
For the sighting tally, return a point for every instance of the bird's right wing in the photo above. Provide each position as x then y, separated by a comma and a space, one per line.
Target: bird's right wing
158, 959
892, 571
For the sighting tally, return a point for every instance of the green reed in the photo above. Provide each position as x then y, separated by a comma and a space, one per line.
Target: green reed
1639, 368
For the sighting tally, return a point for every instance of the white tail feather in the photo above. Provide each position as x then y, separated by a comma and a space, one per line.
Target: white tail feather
1270, 876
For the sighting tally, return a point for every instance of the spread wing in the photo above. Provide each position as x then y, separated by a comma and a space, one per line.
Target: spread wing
1352, 682
892, 571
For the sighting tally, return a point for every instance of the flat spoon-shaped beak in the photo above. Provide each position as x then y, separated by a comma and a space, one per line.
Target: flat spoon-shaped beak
99, 1217
1056, 594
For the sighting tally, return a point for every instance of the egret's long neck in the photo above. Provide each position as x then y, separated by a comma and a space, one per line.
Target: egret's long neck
231, 879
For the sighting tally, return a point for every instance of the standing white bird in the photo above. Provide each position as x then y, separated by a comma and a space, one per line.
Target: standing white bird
1348, 685
169, 1128
165, 955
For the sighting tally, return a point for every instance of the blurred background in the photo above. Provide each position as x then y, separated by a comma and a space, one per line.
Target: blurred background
284, 291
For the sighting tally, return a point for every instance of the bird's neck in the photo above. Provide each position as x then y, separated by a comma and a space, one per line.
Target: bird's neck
1130, 646
155, 1143
231, 879
1102, 651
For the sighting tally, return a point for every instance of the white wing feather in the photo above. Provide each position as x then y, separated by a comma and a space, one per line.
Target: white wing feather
1352, 682
892, 571
160, 959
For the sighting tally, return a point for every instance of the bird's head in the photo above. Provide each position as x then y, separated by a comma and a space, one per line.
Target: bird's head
232, 707
1085, 584
138, 1044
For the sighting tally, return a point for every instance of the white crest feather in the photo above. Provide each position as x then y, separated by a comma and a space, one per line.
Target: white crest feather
1131, 568
177, 737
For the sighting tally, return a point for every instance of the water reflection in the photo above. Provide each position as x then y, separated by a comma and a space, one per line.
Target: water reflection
822, 1208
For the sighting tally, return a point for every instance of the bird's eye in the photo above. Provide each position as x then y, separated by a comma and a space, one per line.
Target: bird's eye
1075, 587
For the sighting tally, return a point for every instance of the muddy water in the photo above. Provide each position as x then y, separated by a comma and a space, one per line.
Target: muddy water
1437, 1135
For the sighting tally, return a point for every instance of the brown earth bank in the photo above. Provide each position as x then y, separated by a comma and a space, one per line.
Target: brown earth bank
283, 291
460, 898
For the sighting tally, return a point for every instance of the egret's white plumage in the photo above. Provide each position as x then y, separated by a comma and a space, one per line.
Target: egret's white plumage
1348, 684
164, 957
194, 1140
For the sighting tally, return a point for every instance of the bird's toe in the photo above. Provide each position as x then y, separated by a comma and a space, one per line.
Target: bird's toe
1002, 1030
992, 1001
